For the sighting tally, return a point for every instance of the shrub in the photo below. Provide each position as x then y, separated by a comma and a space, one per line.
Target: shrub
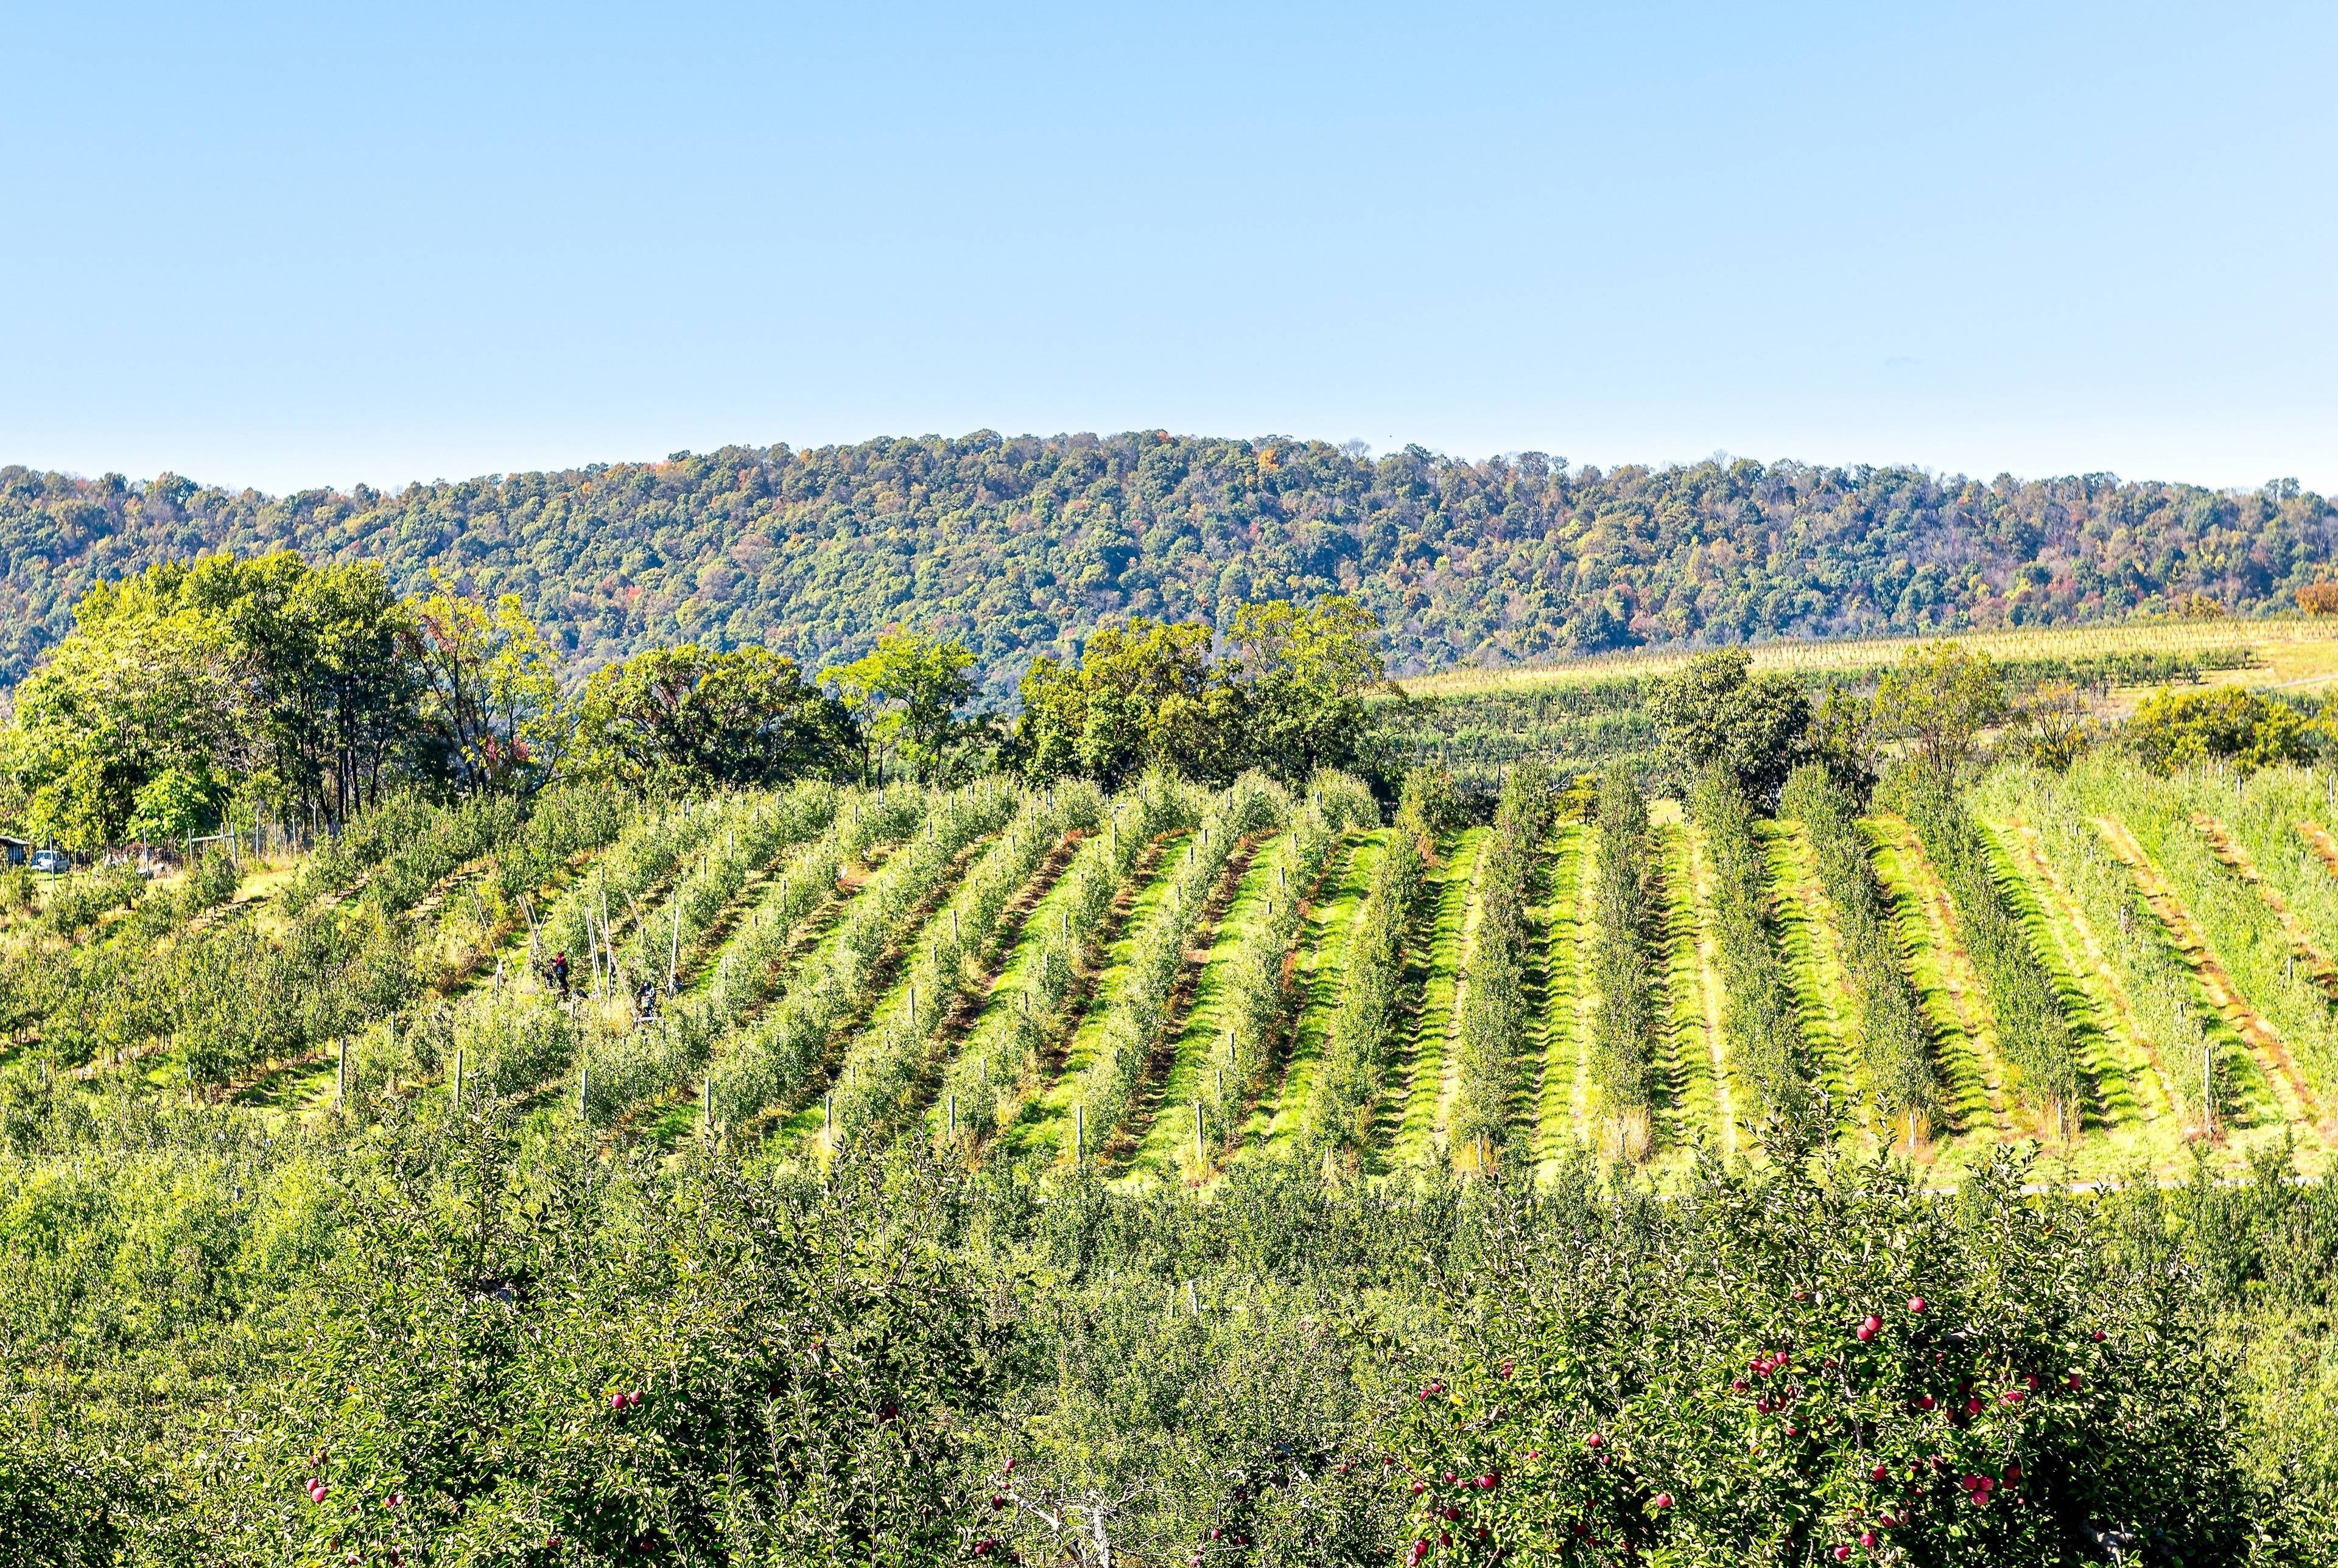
1623, 1047
1494, 1014
1893, 1044
1743, 1376
1759, 1016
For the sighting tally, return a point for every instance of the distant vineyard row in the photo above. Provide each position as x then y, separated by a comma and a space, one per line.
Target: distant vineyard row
1585, 725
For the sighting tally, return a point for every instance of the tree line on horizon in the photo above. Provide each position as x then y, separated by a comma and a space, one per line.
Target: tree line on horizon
1024, 546
202, 693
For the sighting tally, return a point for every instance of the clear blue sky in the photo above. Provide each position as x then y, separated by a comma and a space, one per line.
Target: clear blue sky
317, 244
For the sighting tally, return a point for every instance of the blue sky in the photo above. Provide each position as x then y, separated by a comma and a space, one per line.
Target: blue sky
304, 245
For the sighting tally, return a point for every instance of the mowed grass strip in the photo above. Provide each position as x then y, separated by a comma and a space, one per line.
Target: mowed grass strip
1281, 1119
1559, 1101
2260, 1082
1696, 1061
1165, 1151
1814, 970
1947, 987
1420, 1121
2133, 1114
1048, 1121
2046, 944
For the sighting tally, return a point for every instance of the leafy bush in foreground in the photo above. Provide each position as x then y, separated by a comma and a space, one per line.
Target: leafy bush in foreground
1743, 1376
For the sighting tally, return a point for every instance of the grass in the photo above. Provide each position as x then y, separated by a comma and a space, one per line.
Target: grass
1813, 964
1947, 991
1280, 1120
2132, 1117
1694, 1069
1048, 1119
1166, 1149
1429, 1081
2295, 650
2268, 1103
1557, 1112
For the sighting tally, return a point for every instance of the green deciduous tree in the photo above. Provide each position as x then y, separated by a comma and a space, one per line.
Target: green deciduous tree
906, 697
1143, 695
145, 685
737, 718
1717, 712
1287, 698
1303, 672
2221, 724
1939, 701
493, 707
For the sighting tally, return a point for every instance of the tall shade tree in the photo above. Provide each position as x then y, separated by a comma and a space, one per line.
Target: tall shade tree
1940, 699
327, 652
1303, 673
906, 697
1142, 695
494, 710
1288, 697
1717, 713
144, 687
740, 717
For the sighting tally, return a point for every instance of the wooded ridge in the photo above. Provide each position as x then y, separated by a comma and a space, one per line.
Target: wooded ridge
1016, 545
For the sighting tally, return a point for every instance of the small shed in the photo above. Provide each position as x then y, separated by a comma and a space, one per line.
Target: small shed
15, 851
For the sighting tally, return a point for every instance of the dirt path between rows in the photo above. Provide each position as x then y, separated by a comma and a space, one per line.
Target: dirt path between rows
2265, 1041
2227, 849
2031, 846
1958, 976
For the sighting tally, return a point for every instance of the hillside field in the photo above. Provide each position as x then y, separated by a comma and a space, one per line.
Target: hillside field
1583, 714
1148, 983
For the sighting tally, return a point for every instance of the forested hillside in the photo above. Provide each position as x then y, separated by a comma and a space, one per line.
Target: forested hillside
1015, 545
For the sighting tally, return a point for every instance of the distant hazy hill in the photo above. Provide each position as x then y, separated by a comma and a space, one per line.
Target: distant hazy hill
1018, 545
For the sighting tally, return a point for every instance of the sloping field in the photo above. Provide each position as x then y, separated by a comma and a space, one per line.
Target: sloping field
1136, 983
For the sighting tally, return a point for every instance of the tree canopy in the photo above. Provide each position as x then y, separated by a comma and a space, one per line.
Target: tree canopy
1716, 714
742, 717
1286, 697
906, 695
1020, 545
2220, 724
191, 682
1941, 700
198, 690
